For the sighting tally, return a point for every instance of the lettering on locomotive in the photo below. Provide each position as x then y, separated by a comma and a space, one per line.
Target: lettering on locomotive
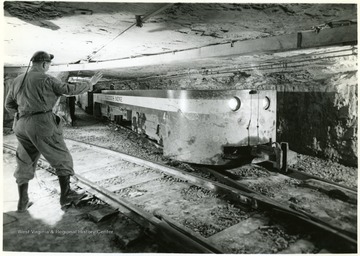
114, 98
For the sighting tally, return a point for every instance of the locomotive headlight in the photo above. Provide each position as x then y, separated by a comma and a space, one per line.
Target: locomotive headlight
266, 103
234, 103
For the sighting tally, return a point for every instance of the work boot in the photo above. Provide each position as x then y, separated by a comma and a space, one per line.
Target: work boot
24, 202
68, 196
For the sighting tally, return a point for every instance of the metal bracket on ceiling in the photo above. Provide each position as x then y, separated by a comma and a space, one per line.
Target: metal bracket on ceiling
140, 19
139, 22
354, 50
299, 39
333, 24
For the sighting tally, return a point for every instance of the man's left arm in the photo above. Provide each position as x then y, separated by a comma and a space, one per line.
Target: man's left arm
10, 103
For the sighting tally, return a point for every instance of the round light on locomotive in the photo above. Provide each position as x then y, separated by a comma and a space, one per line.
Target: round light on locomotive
234, 103
266, 103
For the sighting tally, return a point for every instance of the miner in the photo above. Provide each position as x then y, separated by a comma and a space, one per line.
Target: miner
38, 130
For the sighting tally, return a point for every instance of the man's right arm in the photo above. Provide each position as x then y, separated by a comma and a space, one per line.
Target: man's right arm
75, 89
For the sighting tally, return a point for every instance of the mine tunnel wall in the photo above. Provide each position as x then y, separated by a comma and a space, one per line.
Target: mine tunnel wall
319, 123
317, 103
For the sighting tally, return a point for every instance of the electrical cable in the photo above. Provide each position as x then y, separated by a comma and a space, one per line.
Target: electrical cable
26, 72
257, 120
267, 66
264, 65
90, 56
250, 119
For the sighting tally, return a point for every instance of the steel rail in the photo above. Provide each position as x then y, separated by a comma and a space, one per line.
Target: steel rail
176, 236
182, 240
271, 204
242, 194
292, 173
300, 175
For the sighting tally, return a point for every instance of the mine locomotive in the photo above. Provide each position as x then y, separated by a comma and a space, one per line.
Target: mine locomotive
209, 127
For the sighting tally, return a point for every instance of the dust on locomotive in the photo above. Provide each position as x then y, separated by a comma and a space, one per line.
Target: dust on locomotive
211, 127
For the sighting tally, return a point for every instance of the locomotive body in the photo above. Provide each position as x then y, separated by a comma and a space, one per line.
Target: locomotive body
211, 127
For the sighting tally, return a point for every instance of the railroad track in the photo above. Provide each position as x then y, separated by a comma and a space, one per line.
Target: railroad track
199, 215
333, 205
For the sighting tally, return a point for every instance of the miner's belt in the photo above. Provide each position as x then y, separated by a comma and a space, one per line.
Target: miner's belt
35, 113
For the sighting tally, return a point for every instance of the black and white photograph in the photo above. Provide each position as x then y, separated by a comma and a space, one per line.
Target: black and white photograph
160, 127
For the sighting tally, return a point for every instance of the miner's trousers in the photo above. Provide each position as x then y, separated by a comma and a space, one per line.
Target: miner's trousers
40, 134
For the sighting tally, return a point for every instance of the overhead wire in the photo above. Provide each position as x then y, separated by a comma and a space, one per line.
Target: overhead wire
138, 22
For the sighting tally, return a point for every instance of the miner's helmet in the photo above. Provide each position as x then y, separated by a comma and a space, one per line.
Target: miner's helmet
41, 56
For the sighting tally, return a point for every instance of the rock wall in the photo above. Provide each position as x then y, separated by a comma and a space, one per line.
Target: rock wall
322, 123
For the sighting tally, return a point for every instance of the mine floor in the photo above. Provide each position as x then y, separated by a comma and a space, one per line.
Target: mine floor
46, 227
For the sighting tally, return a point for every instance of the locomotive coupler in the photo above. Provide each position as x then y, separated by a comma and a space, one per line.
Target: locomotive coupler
274, 153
